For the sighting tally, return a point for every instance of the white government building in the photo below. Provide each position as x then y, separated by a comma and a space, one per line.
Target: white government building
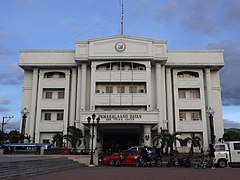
135, 85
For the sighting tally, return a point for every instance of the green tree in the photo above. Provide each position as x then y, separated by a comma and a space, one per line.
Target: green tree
2, 137
14, 136
231, 136
194, 140
58, 139
74, 136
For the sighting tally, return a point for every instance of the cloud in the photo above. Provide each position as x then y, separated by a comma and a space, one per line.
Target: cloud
231, 13
13, 76
12, 125
6, 52
199, 23
191, 15
231, 124
3, 109
4, 101
230, 72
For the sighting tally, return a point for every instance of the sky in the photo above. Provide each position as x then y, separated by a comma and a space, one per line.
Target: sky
57, 24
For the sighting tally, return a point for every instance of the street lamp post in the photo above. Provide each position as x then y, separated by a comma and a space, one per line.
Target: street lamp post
24, 113
92, 136
211, 113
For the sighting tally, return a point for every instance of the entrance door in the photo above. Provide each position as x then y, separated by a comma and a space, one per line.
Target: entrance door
114, 143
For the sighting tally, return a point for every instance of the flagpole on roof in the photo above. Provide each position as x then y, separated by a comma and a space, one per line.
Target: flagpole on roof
122, 18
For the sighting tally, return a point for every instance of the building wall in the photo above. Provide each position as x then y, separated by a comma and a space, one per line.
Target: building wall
148, 112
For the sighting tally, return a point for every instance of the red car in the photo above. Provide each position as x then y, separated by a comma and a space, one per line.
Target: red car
131, 157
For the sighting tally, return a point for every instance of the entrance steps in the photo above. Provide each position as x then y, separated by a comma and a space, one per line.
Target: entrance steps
25, 168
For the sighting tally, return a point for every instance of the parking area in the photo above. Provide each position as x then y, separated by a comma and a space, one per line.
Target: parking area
142, 173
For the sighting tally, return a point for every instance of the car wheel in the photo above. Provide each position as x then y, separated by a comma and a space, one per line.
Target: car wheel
222, 163
111, 162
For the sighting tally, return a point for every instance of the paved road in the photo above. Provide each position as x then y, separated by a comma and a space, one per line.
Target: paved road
143, 173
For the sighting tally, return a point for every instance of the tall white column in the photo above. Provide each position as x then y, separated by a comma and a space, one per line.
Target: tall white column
78, 105
92, 88
169, 100
205, 119
38, 110
83, 87
149, 86
159, 94
164, 116
66, 106
209, 87
83, 92
72, 109
32, 116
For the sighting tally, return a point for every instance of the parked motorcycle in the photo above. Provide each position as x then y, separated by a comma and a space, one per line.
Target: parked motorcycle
171, 161
149, 161
182, 161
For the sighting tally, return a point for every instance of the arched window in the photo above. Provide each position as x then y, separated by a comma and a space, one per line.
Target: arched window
54, 75
187, 74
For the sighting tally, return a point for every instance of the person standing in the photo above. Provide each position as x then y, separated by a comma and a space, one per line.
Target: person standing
211, 155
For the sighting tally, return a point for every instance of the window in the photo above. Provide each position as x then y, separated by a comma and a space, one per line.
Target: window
121, 89
182, 94
194, 94
108, 66
46, 141
220, 147
187, 74
48, 75
121, 66
61, 75
236, 146
132, 89
47, 116
61, 95
60, 116
195, 116
182, 116
109, 89
48, 95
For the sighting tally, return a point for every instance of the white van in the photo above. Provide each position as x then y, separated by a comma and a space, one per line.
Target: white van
227, 153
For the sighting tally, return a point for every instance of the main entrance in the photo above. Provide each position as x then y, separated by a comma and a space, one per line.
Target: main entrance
113, 143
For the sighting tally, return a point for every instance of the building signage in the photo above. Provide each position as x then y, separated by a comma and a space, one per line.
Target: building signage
120, 47
120, 117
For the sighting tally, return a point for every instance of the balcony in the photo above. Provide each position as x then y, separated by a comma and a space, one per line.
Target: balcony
120, 99
190, 126
54, 82
117, 76
52, 103
189, 103
51, 126
188, 82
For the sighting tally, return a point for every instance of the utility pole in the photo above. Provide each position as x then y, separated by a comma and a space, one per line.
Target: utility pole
5, 122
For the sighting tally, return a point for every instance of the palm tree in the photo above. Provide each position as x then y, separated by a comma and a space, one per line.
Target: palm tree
167, 140
58, 139
74, 136
195, 142
171, 140
14, 136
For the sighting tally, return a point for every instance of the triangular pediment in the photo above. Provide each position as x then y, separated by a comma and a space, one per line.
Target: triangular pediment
120, 46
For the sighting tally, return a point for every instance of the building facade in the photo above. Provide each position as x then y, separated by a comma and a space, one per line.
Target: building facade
135, 85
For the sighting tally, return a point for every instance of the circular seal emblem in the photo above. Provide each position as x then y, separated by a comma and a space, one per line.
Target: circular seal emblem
120, 47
